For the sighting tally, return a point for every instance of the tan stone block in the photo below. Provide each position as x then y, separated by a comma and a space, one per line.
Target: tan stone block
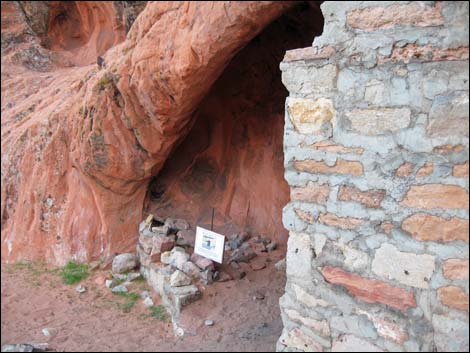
309, 53
340, 222
456, 269
329, 146
425, 170
436, 196
305, 216
387, 227
448, 148
313, 192
371, 198
320, 167
453, 297
461, 170
379, 121
405, 170
433, 228
308, 115
378, 17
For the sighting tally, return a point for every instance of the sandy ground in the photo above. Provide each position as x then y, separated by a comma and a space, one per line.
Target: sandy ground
34, 297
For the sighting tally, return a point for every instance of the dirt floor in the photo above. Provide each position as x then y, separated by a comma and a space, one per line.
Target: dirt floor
34, 297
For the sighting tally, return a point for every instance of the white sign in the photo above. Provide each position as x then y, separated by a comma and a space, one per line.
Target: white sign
209, 244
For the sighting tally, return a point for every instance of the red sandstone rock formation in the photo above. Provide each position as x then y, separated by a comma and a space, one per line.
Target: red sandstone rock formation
80, 144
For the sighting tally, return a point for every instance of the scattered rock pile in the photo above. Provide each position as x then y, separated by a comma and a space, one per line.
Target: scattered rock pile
167, 261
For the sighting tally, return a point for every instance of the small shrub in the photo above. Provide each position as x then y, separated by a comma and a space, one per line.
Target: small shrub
159, 312
103, 82
73, 272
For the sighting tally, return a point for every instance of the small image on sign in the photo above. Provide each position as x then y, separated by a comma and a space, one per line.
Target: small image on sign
209, 244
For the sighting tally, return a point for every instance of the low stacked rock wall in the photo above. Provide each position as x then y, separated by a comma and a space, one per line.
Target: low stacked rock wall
376, 156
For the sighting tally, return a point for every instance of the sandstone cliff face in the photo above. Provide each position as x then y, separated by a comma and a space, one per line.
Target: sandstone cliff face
79, 144
232, 160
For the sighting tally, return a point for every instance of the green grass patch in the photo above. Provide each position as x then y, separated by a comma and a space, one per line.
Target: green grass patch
127, 306
159, 312
139, 280
130, 296
74, 273
131, 299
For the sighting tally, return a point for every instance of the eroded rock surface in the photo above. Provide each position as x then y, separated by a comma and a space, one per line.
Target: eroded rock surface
79, 144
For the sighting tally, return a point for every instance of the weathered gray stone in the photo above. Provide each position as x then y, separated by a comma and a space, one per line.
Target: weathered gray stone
435, 83
356, 325
449, 116
124, 262
186, 238
354, 259
119, 276
319, 326
133, 276
185, 295
351, 343
379, 121
306, 80
190, 269
20, 347
178, 258
179, 279
308, 299
375, 92
399, 93
319, 243
120, 289
451, 335
407, 268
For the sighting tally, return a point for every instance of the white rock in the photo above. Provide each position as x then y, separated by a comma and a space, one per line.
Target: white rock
109, 283
49, 332
80, 289
148, 302
209, 322
407, 268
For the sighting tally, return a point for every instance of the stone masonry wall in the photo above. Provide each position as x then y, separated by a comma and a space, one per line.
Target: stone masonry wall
377, 159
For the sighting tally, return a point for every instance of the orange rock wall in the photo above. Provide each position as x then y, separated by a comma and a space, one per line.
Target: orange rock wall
79, 145
232, 160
